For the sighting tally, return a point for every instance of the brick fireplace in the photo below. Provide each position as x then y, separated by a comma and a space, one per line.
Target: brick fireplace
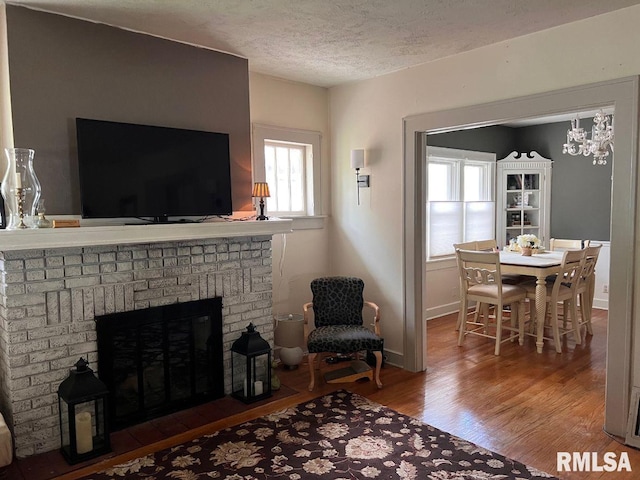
50, 296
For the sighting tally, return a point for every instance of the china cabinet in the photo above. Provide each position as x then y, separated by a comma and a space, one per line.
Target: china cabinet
523, 197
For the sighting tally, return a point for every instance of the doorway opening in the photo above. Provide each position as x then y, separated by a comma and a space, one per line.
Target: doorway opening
623, 95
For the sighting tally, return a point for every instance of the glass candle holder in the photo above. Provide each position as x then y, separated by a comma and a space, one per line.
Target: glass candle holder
42, 221
20, 189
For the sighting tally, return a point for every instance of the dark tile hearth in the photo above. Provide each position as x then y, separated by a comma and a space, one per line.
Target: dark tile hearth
50, 465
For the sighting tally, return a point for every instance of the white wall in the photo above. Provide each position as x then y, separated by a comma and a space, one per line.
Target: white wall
600, 296
367, 239
305, 255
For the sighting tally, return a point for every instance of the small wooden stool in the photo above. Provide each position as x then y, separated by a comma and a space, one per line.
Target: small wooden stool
357, 370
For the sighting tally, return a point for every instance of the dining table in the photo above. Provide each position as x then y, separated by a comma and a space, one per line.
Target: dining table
539, 265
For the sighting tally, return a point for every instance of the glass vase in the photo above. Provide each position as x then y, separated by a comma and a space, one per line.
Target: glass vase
20, 189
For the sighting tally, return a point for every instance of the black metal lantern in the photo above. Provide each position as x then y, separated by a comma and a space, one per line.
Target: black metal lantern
82, 401
251, 367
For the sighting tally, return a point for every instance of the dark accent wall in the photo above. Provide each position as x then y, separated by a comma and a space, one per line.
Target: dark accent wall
580, 191
494, 139
62, 68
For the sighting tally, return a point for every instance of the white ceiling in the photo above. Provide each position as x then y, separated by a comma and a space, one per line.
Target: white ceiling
329, 42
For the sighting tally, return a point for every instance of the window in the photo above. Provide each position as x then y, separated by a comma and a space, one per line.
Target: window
289, 161
460, 199
284, 172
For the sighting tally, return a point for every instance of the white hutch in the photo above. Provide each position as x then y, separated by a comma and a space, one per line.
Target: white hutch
523, 199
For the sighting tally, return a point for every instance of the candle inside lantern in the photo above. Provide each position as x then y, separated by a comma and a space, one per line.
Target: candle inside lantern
84, 437
258, 388
18, 180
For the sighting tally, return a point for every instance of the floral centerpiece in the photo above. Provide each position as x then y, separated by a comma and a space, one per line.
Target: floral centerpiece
527, 243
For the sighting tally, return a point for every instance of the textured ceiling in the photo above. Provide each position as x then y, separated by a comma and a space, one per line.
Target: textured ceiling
329, 42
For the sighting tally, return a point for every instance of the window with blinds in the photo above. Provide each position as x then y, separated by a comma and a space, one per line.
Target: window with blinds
460, 199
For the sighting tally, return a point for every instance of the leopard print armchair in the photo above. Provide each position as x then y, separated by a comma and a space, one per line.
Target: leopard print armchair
337, 307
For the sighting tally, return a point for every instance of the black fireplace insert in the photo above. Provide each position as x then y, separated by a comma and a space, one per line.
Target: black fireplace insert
160, 360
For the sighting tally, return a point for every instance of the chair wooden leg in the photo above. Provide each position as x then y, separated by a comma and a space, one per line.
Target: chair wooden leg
574, 322
513, 316
378, 356
311, 358
589, 308
586, 311
521, 322
498, 329
463, 323
461, 317
463, 314
589, 303
486, 313
555, 327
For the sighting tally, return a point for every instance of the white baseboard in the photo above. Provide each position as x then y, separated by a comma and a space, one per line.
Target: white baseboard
394, 358
601, 303
441, 310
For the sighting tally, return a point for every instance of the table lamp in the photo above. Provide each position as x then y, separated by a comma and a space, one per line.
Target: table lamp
261, 190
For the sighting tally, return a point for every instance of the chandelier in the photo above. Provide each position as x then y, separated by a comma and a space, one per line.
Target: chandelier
601, 139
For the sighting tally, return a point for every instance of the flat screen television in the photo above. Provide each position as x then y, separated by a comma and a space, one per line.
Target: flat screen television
151, 172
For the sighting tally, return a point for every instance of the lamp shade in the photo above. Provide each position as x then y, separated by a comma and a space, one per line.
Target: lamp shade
357, 158
289, 331
260, 189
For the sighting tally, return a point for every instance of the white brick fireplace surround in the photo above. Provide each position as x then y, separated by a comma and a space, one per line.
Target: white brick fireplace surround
54, 282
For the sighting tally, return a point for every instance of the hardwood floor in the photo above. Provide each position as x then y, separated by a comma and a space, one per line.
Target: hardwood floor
523, 405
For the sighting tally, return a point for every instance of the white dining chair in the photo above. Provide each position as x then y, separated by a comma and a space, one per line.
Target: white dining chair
586, 289
563, 289
489, 245
556, 244
481, 281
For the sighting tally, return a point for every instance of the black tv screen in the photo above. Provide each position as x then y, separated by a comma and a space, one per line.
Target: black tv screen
144, 171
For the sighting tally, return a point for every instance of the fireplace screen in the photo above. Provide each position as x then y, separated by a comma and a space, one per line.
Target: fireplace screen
161, 359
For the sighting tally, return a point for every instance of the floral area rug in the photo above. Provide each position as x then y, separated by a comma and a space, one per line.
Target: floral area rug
336, 436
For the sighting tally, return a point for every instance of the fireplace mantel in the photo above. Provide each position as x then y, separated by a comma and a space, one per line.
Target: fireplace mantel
55, 282
85, 236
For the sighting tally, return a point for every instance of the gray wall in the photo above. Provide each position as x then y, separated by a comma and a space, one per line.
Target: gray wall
580, 191
495, 139
62, 68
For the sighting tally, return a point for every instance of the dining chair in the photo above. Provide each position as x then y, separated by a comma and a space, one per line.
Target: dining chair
481, 281
567, 244
489, 245
473, 245
586, 289
563, 289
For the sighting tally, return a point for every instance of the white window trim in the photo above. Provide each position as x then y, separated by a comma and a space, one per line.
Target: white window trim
447, 155
260, 132
306, 162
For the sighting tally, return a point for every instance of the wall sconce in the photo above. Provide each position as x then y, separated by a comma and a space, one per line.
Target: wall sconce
357, 162
261, 189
